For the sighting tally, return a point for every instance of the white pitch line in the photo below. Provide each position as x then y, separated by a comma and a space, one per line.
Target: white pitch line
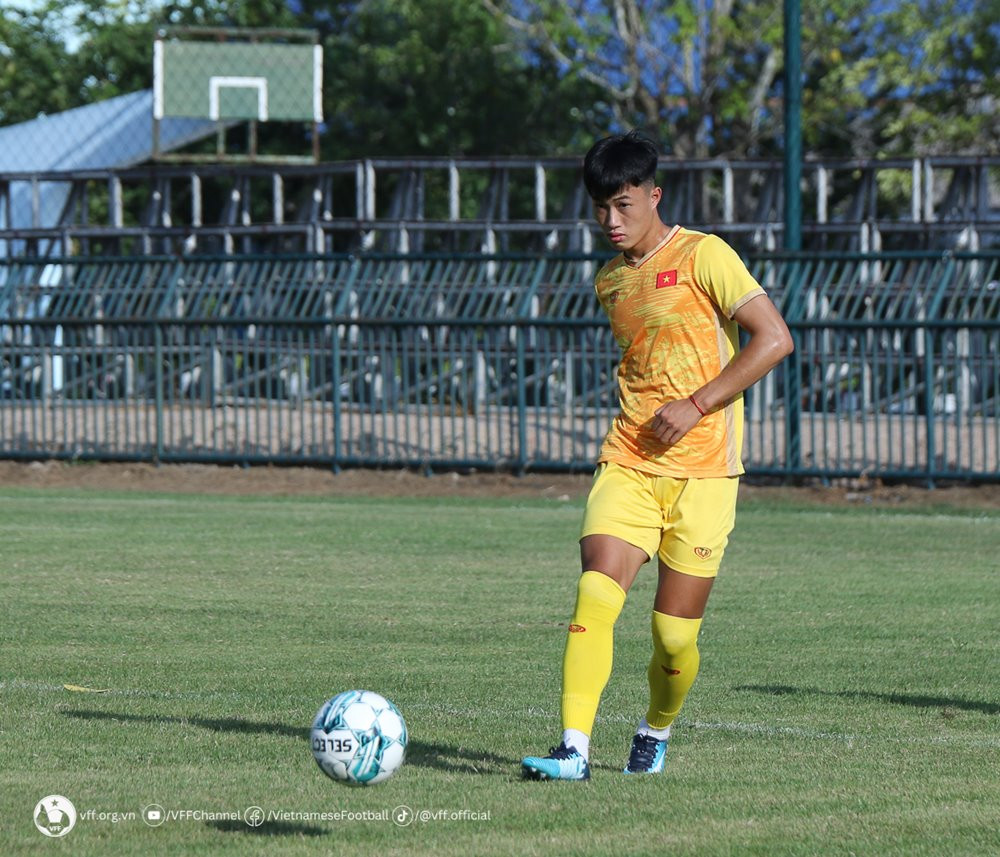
845, 738
16, 684
773, 731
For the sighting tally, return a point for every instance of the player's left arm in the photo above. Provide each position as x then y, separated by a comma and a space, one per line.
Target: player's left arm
769, 344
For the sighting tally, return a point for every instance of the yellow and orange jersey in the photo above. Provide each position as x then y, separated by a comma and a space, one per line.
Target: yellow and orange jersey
671, 314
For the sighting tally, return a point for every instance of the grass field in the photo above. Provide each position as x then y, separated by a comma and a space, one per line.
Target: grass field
848, 701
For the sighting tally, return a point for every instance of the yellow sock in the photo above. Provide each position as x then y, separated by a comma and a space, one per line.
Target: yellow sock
673, 667
589, 649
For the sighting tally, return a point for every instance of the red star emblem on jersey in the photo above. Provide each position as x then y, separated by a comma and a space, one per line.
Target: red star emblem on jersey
666, 278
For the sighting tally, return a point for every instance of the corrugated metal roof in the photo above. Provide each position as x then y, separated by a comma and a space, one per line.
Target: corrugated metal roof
117, 132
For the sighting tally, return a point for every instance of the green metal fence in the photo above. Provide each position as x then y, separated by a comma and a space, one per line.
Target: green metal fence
472, 361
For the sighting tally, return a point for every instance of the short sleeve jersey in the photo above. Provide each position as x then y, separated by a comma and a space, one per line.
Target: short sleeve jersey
672, 316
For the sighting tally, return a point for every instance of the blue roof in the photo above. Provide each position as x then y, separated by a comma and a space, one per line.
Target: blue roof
113, 133
117, 132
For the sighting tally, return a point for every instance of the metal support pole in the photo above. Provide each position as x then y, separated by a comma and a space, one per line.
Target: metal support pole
728, 208
793, 125
522, 404
822, 194
793, 221
540, 202
454, 194
158, 391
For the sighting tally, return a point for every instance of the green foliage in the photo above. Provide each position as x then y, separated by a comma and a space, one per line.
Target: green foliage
34, 77
434, 78
930, 88
879, 78
115, 56
537, 77
951, 90
697, 75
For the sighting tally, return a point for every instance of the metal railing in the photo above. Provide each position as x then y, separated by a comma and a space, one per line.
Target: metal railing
497, 362
485, 205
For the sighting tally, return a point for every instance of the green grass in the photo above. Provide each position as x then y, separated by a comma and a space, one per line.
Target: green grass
848, 701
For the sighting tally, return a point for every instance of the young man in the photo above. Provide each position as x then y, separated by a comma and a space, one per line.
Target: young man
669, 466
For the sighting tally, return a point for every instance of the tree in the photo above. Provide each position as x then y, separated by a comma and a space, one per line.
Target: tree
938, 92
34, 74
879, 78
402, 77
434, 77
699, 73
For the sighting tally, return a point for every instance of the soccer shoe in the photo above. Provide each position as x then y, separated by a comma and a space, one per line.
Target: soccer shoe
562, 763
647, 755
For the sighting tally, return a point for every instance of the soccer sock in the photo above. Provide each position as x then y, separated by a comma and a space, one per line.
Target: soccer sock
589, 650
645, 729
577, 740
673, 667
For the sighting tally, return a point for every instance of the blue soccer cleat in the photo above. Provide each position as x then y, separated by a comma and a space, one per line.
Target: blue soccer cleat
647, 755
562, 763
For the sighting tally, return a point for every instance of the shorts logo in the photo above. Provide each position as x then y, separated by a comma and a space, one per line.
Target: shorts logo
669, 671
703, 553
576, 629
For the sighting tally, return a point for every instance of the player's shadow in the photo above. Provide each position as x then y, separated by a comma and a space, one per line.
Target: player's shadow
268, 828
917, 700
217, 724
443, 757
462, 760
222, 724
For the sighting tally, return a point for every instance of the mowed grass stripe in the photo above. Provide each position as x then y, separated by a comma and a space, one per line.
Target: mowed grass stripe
847, 701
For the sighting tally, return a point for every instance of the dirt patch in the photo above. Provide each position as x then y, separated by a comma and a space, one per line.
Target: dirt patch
286, 481
292, 481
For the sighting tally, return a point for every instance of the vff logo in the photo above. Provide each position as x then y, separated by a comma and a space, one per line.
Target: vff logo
55, 815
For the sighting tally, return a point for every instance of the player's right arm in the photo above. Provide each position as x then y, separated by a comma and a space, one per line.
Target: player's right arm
769, 344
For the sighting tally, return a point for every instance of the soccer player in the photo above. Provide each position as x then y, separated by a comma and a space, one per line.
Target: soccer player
669, 467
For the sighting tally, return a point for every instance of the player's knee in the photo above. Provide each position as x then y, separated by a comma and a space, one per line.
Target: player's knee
600, 586
598, 598
675, 645
613, 557
673, 635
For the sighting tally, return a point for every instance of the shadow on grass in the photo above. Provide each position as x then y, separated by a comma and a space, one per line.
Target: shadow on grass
443, 757
268, 828
464, 760
915, 700
216, 724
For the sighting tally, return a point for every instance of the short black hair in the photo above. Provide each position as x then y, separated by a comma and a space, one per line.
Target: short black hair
617, 161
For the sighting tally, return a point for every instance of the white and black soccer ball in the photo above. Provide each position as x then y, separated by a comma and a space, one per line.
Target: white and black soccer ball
358, 737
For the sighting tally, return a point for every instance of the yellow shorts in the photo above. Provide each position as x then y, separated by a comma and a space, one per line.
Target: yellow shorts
685, 522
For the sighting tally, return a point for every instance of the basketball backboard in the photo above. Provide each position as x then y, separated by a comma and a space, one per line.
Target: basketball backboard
237, 76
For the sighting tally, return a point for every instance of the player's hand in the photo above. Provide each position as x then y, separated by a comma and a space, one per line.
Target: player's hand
674, 420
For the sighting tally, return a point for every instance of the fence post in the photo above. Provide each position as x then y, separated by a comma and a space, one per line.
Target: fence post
793, 406
218, 376
929, 399
480, 383
522, 404
540, 202
47, 361
793, 373
158, 389
335, 392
